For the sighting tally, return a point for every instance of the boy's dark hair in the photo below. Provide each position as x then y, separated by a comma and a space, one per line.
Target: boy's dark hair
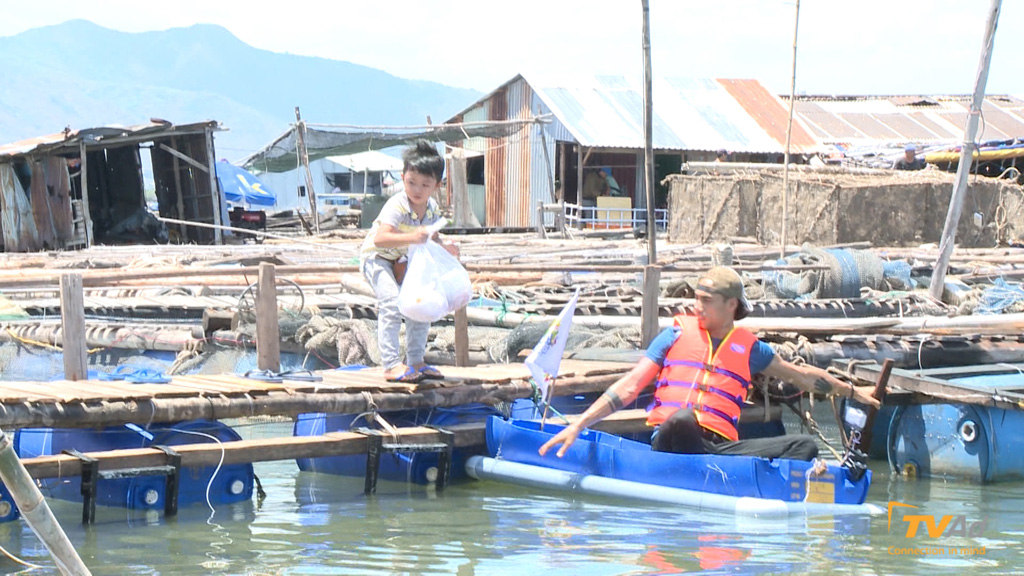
422, 157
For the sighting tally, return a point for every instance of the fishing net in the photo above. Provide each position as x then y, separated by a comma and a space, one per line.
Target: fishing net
1002, 297
844, 274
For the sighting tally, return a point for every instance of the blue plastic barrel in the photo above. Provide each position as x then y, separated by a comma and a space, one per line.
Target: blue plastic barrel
233, 483
416, 468
963, 441
8, 509
927, 441
975, 443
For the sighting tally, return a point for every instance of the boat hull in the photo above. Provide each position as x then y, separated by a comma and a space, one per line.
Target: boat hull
597, 457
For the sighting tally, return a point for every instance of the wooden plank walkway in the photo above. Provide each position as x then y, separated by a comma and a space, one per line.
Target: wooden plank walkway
933, 386
103, 403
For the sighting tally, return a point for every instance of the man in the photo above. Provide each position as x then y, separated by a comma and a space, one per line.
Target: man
595, 184
722, 155
613, 185
702, 366
910, 161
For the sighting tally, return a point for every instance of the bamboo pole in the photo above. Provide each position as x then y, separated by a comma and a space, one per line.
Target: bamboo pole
650, 309
33, 508
135, 338
916, 352
963, 170
652, 224
789, 135
300, 133
248, 231
324, 273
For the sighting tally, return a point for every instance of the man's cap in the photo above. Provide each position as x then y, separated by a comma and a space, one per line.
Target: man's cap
726, 282
606, 170
910, 148
722, 152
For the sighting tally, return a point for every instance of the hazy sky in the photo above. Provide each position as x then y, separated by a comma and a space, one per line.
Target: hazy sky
845, 47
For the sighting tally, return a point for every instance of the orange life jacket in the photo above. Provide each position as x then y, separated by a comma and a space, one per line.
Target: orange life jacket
713, 383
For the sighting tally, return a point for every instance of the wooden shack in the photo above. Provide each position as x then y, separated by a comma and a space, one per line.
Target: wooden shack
76, 188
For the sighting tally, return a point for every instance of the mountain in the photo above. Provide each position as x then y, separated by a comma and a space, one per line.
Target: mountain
82, 75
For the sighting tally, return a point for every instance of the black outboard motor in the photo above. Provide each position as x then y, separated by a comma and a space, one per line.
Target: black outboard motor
854, 459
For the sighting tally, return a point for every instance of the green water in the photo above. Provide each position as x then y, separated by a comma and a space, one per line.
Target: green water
314, 524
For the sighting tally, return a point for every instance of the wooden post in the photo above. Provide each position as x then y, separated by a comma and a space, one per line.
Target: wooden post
652, 224
649, 311
879, 394
579, 185
268, 333
182, 229
300, 140
215, 193
461, 337
540, 220
956, 202
84, 184
547, 159
72, 319
33, 507
561, 188
789, 135
461, 207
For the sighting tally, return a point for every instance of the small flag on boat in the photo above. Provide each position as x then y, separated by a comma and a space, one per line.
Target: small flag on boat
547, 355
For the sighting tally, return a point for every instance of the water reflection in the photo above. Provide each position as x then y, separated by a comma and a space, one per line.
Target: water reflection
322, 524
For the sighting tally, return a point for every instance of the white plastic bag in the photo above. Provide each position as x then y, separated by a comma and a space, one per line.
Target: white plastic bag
435, 282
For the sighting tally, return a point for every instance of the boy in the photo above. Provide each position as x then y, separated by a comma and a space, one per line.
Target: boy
401, 222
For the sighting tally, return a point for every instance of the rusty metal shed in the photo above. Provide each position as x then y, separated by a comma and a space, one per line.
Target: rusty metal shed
42, 181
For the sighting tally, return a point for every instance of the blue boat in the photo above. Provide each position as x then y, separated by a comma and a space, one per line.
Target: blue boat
605, 464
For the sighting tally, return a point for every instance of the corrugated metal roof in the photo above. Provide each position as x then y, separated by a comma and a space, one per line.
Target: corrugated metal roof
690, 114
864, 120
371, 160
101, 136
770, 113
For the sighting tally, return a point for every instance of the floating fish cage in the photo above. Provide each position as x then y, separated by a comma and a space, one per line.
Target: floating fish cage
216, 485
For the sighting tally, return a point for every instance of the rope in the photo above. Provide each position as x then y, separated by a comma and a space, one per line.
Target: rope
189, 354
812, 426
371, 411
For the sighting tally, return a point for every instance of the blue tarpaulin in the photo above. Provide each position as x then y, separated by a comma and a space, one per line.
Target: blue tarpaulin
241, 187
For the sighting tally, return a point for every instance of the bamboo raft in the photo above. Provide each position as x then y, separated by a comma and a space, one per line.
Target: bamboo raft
92, 403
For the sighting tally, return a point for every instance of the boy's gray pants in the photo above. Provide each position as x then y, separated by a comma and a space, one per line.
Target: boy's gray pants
380, 273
